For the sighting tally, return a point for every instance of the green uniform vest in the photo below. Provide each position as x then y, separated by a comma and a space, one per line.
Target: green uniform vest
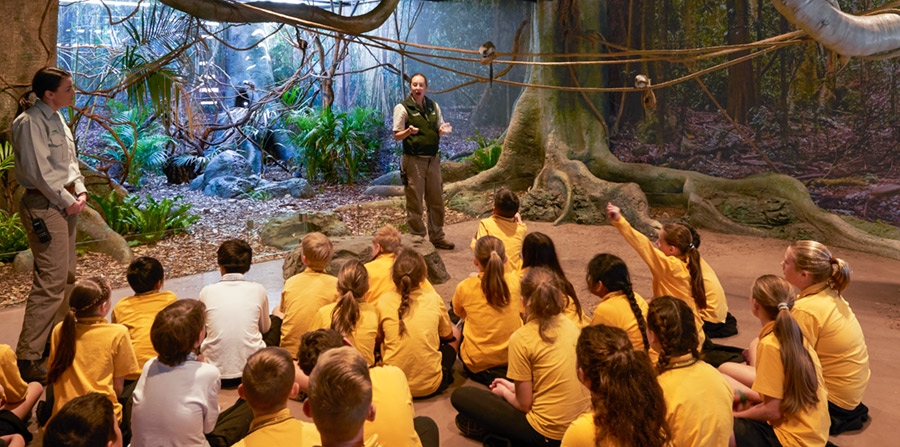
427, 141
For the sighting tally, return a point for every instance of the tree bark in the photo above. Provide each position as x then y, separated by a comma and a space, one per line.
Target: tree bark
741, 85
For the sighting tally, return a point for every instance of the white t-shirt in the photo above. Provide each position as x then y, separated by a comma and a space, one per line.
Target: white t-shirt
175, 406
237, 314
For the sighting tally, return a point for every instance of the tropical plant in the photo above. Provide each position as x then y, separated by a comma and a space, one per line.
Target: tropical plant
487, 154
144, 221
7, 163
337, 145
12, 236
143, 140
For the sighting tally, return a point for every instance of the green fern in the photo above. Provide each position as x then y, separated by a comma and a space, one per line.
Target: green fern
12, 236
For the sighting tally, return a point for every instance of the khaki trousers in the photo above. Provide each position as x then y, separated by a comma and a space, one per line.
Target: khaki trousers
424, 174
54, 270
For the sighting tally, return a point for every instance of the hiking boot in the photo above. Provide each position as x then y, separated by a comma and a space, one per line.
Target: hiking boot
443, 244
31, 371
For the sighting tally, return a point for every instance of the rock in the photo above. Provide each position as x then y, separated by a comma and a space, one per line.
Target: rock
198, 182
299, 188
285, 230
227, 163
472, 203
92, 227
360, 248
24, 262
385, 190
253, 155
391, 178
228, 187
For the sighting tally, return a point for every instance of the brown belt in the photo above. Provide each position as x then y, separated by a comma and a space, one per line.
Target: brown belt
37, 192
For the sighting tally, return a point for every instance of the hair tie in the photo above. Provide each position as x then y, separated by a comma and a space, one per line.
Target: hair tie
783, 306
691, 246
832, 260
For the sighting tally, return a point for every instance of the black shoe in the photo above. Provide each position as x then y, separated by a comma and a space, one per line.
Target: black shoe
443, 244
31, 371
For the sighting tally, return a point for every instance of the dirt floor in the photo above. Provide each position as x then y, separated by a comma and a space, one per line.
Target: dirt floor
874, 295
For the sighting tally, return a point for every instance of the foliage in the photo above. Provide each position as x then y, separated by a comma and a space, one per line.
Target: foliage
145, 142
144, 221
7, 163
336, 145
487, 154
12, 236
259, 195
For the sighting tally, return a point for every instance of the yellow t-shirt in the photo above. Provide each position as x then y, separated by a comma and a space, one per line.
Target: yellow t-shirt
103, 352
487, 329
416, 351
614, 310
394, 411
137, 314
832, 329
808, 427
670, 273
303, 295
698, 403
558, 396
363, 335
14, 388
280, 429
716, 310
583, 432
510, 232
380, 281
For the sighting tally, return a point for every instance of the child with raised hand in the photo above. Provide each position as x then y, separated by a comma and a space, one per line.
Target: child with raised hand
145, 276
340, 399
267, 383
395, 421
506, 225
628, 405
306, 292
177, 396
698, 399
85, 421
676, 269
538, 250
490, 303
832, 328
17, 399
352, 316
416, 328
237, 313
794, 407
544, 396
87, 352
608, 278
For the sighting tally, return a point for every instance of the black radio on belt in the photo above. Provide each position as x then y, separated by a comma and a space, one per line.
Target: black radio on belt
40, 230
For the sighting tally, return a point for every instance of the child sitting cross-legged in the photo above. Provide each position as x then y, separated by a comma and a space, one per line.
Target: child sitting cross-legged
352, 316
17, 398
506, 225
308, 291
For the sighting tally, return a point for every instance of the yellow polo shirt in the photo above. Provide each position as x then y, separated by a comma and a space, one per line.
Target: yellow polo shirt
698, 403
416, 351
614, 310
558, 396
380, 281
583, 433
14, 388
487, 329
363, 335
716, 303
394, 410
303, 295
279, 429
103, 352
808, 427
832, 329
510, 232
137, 314
670, 273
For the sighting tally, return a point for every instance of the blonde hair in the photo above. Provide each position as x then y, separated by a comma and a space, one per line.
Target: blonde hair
815, 258
317, 249
340, 393
543, 299
388, 238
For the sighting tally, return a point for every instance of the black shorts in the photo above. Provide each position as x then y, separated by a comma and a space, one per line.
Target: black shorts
751, 433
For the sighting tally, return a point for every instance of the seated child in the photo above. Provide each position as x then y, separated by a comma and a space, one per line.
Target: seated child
145, 276
538, 250
340, 398
628, 405
87, 353
620, 306
395, 421
85, 421
416, 328
306, 292
698, 399
352, 316
17, 398
267, 383
237, 313
491, 305
385, 245
506, 225
177, 396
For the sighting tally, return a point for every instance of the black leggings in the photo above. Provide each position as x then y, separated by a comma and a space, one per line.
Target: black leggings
493, 415
427, 430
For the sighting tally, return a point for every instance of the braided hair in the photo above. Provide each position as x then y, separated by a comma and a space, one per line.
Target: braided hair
85, 301
408, 272
672, 322
613, 273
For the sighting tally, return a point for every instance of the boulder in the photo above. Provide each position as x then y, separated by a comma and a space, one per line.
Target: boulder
227, 163
297, 187
253, 155
360, 248
285, 230
198, 183
228, 187
385, 190
24, 262
391, 178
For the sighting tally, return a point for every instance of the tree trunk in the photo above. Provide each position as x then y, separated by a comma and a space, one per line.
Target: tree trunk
741, 85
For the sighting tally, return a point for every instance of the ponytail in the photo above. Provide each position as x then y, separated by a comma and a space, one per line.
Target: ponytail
687, 240
672, 321
352, 284
86, 298
815, 258
543, 299
408, 272
538, 250
491, 254
776, 297
613, 273
44, 80
24, 103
